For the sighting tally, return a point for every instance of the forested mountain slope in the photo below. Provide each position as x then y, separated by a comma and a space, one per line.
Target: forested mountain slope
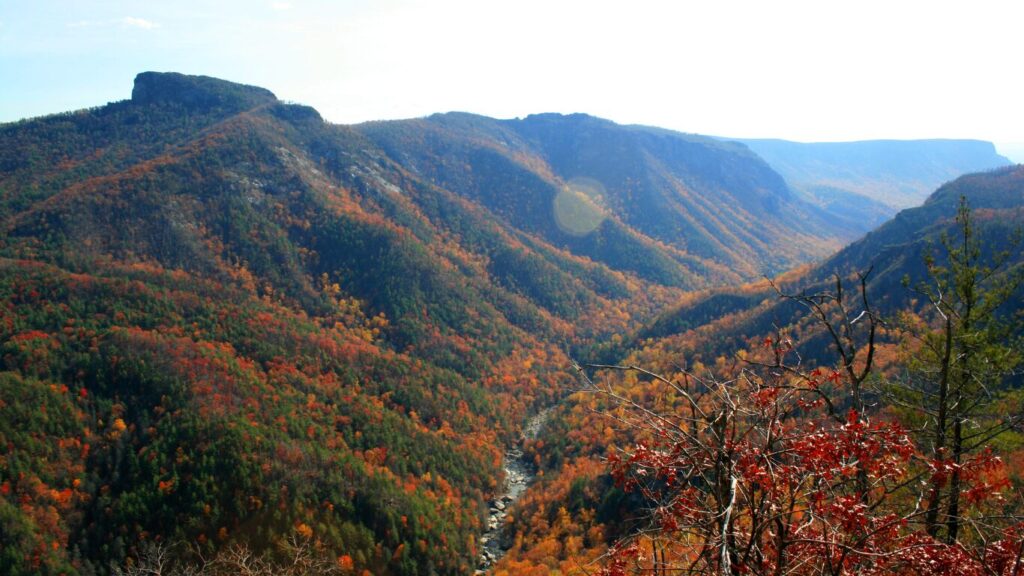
223, 322
733, 336
677, 208
895, 253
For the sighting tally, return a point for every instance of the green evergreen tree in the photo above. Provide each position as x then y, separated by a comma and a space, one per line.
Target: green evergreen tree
956, 382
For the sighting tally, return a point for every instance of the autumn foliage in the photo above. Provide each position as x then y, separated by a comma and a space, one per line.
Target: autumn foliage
236, 339
753, 477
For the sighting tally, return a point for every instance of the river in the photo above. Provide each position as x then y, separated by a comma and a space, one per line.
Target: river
519, 474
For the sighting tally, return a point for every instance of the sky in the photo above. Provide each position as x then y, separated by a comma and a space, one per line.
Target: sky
816, 70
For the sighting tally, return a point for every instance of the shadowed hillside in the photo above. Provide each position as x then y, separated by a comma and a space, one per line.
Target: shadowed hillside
677, 208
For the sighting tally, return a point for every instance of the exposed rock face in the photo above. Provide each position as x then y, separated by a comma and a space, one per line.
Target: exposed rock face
197, 91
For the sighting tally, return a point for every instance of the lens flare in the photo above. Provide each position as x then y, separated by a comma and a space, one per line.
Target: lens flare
580, 206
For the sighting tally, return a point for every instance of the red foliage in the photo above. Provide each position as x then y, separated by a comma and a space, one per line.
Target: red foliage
757, 483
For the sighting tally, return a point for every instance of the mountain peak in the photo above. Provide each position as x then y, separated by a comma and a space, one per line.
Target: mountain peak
574, 118
197, 91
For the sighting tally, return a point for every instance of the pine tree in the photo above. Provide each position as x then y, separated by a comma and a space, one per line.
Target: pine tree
957, 377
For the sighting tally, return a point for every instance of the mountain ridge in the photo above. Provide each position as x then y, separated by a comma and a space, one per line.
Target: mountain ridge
669, 206
874, 177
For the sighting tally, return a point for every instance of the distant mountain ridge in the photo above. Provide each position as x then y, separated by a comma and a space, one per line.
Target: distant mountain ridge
872, 179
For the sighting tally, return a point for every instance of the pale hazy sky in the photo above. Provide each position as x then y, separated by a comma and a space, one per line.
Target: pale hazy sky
802, 70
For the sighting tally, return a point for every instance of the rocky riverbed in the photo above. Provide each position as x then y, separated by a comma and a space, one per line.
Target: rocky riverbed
518, 475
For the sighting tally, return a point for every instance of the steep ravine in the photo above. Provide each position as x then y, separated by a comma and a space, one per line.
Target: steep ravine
519, 474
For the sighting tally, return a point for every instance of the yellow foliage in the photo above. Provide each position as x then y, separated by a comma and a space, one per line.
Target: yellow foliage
304, 531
